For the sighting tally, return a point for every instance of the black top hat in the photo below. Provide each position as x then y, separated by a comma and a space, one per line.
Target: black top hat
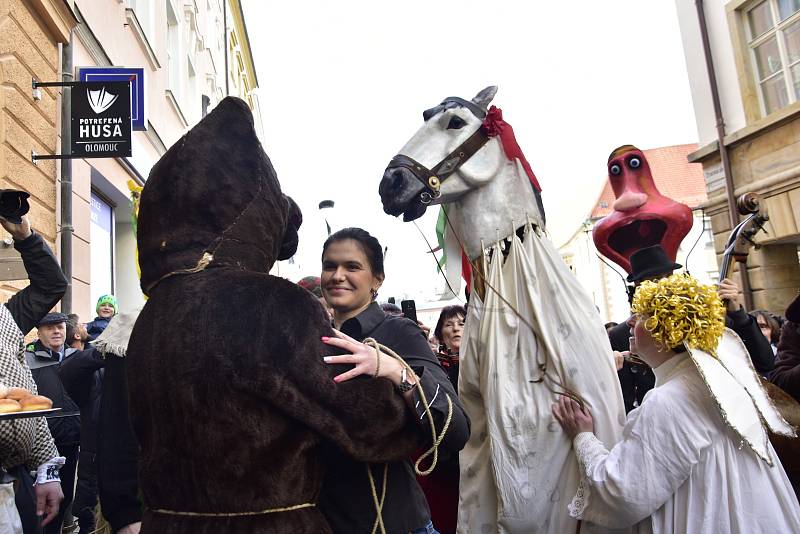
650, 261
53, 318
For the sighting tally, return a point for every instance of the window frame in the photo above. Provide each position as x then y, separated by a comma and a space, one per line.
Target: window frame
777, 30
112, 235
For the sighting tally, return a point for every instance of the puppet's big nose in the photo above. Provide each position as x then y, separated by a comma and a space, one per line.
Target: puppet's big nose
629, 201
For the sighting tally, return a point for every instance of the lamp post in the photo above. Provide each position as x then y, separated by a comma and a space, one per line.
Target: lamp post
326, 204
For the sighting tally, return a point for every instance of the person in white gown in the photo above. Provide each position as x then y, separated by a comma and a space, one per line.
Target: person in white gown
695, 457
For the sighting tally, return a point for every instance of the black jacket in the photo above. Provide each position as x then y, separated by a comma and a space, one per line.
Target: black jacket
82, 375
117, 450
47, 283
346, 498
96, 327
746, 327
65, 426
786, 374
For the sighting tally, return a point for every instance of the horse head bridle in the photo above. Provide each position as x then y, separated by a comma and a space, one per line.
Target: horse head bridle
433, 178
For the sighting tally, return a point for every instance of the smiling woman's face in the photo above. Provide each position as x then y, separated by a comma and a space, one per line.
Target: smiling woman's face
347, 279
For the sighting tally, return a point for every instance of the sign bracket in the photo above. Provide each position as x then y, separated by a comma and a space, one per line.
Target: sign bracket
102, 152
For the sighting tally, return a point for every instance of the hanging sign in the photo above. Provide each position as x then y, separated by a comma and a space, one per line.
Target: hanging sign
114, 74
101, 119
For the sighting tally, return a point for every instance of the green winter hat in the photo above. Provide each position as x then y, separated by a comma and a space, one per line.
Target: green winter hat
106, 299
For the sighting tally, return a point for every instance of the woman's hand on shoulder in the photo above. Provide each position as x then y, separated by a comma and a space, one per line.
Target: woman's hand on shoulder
365, 359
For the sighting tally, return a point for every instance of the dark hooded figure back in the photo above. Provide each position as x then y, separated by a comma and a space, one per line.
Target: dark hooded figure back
230, 400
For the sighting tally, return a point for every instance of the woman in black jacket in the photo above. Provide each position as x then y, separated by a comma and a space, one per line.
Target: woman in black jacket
352, 273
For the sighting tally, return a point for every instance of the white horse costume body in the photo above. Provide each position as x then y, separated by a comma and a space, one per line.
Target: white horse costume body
518, 470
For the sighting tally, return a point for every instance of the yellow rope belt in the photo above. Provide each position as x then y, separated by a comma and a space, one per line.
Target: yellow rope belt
235, 514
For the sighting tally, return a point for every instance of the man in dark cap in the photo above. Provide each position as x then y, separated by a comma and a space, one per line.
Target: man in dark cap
44, 357
652, 263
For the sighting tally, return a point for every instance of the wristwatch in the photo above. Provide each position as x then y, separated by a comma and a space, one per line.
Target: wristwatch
404, 384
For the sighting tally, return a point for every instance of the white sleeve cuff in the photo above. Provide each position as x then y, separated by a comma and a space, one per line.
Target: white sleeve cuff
49, 471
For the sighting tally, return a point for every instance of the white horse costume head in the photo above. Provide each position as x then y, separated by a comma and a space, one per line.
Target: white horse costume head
532, 332
466, 158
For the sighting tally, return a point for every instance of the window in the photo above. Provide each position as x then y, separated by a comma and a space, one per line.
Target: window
101, 247
773, 30
173, 52
144, 10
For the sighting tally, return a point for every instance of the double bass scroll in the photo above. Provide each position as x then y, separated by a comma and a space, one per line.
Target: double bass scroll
741, 238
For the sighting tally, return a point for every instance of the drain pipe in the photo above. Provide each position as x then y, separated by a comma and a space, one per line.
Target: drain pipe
66, 175
733, 214
225, 44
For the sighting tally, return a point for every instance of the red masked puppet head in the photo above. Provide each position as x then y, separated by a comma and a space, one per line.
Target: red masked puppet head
642, 216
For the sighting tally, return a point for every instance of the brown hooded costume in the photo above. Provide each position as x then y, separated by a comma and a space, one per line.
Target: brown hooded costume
230, 400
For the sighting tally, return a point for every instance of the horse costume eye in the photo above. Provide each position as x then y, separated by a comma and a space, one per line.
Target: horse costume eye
615, 170
635, 163
456, 123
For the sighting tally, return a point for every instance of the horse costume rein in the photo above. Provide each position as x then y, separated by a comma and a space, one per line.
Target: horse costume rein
433, 178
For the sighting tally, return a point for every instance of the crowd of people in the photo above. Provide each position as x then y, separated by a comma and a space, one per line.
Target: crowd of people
239, 402
67, 367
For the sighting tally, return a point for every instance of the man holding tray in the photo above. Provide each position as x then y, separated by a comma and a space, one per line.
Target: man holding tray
26, 444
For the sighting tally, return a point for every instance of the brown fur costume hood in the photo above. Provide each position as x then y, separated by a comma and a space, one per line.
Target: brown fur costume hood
214, 199
230, 400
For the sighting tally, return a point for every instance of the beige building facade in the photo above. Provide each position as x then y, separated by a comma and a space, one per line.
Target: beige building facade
755, 45
193, 52
31, 36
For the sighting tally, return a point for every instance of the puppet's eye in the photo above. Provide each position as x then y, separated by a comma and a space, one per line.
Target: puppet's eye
614, 170
456, 123
635, 163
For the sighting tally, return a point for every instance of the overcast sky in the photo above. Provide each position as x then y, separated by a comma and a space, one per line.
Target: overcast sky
343, 86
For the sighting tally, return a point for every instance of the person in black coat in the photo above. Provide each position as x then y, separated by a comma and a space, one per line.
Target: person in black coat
96, 379
786, 374
352, 273
44, 358
82, 376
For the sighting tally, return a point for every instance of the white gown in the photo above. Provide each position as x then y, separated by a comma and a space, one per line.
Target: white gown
680, 469
518, 470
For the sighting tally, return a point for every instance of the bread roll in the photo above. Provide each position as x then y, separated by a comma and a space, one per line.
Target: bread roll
18, 393
3, 391
9, 405
35, 402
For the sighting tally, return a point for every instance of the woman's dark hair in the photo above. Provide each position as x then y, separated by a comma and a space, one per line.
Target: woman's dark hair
448, 312
389, 308
371, 247
774, 326
72, 327
610, 325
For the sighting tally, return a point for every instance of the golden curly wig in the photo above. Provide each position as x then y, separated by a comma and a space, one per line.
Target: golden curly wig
681, 310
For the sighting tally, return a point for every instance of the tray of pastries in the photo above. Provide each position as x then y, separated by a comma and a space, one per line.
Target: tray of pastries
18, 403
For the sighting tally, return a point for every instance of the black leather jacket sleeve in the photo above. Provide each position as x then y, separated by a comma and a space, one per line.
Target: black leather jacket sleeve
757, 345
77, 374
47, 283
